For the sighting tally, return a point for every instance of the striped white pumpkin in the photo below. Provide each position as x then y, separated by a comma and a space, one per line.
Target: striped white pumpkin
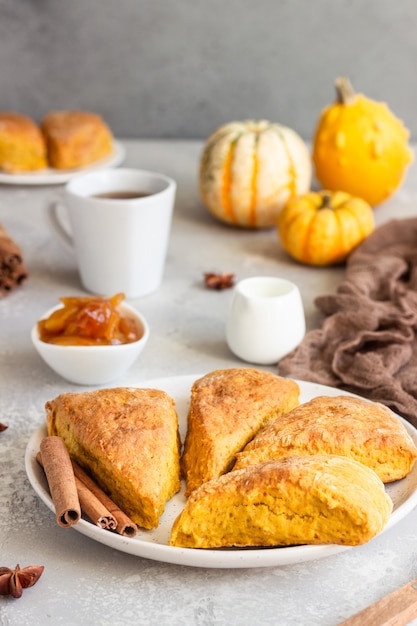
249, 169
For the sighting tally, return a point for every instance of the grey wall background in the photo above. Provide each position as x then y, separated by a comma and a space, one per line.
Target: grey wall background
180, 68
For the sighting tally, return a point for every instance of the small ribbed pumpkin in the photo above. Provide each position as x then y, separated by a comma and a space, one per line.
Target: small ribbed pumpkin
360, 146
249, 169
322, 228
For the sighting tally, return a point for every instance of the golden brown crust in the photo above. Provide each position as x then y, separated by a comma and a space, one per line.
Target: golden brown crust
128, 440
318, 499
343, 425
22, 146
76, 138
227, 409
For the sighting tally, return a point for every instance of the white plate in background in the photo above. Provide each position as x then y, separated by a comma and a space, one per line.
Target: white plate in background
50, 176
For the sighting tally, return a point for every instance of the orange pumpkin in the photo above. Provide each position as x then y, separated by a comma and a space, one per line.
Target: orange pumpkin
360, 147
249, 169
322, 228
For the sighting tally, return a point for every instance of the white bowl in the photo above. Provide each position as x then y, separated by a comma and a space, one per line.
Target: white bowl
91, 365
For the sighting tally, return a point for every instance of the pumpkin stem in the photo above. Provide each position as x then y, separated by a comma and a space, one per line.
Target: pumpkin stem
345, 93
326, 202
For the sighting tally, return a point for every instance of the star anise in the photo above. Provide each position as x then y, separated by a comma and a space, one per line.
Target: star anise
2, 427
13, 581
219, 281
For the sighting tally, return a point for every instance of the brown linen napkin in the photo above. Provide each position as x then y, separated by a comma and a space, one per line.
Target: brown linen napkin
367, 341
12, 269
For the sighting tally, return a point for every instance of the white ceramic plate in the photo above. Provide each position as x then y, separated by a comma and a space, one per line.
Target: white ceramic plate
154, 544
58, 177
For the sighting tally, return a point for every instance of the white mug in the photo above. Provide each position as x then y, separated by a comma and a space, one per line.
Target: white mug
266, 319
120, 243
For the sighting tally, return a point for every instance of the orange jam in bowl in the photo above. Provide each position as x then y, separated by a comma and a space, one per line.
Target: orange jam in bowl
90, 321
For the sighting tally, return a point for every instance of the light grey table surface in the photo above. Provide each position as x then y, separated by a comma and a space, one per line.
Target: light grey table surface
87, 582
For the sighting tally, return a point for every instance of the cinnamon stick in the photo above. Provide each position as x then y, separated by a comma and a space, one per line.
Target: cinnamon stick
12, 269
61, 480
124, 526
90, 504
97, 505
93, 508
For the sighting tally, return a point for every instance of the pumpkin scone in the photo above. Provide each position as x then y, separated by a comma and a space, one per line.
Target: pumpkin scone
128, 441
365, 431
227, 408
76, 138
320, 499
22, 146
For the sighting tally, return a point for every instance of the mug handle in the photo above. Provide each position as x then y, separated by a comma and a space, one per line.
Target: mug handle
57, 227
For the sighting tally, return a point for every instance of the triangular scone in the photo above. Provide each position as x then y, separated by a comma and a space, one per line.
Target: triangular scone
128, 440
343, 425
318, 499
227, 408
